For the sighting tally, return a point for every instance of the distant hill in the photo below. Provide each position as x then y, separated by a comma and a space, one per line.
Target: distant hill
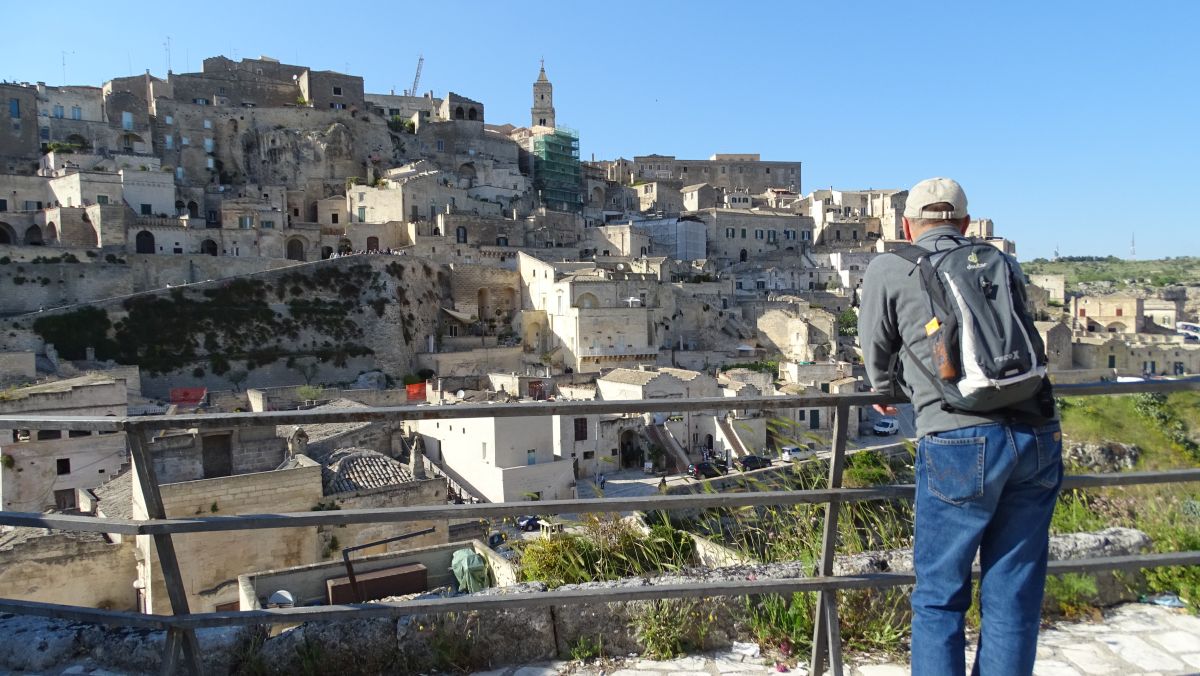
1184, 270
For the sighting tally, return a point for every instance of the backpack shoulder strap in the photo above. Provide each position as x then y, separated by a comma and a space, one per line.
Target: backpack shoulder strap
919, 257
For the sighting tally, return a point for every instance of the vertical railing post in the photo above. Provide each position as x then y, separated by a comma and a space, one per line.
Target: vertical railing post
143, 465
827, 634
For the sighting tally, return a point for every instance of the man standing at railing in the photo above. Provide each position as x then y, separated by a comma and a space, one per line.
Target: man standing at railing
944, 322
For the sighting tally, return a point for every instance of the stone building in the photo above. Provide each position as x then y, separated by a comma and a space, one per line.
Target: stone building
19, 139
659, 196
729, 171
1108, 314
583, 318
499, 459
1059, 351
699, 196
1055, 286
735, 235
74, 116
1134, 356
42, 469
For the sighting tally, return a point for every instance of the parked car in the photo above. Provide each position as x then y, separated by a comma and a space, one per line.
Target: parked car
887, 426
795, 453
753, 462
704, 470
529, 523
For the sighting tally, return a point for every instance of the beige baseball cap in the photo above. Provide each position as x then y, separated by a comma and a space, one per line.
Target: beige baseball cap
933, 191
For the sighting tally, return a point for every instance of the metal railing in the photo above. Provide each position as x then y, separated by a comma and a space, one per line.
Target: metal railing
182, 624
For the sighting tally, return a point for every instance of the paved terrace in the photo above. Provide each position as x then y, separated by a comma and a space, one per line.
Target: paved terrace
1132, 639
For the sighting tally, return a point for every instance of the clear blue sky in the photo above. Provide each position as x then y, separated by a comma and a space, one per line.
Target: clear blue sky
1068, 123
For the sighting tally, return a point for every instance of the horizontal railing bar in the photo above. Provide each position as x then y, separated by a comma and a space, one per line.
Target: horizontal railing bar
1133, 387
523, 409
83, 614
82, 423
558, 597
208, 524
72, 522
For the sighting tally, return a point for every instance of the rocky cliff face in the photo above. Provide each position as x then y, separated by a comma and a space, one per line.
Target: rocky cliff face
319, 322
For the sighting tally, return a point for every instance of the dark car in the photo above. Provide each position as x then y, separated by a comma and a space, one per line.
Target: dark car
704, 470
529, 523
753, 462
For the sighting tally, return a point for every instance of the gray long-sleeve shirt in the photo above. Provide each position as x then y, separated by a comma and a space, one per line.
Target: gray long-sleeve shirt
894, 308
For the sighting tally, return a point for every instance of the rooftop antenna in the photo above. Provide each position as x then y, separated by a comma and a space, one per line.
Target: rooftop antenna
167, 49
64, 66
1133, 246
417, 77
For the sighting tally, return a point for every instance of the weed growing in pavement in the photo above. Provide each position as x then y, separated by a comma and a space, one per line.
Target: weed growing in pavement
586, 649
669, 628
1073, 595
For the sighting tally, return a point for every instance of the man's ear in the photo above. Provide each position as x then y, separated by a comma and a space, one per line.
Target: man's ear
907, 228
966, 223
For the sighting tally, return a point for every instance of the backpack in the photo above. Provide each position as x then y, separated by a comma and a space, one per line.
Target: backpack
986, 352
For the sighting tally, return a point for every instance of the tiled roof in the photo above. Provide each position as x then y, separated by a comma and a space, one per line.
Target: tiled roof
638, 377
11, 537
115, 496
629, 376
322, 431
356, 469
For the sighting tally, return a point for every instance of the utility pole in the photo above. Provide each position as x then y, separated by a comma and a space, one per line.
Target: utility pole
1133, 247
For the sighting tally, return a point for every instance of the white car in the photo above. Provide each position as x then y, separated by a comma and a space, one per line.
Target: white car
795, 453
887, 427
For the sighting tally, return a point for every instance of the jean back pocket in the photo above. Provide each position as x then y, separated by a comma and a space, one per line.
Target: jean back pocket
1049, 447
954, 467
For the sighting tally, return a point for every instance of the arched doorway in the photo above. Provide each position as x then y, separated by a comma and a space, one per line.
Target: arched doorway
295, 249
33, 236
597, 196
208, 247
631, 449
144, 243
180, 208
7, 234
587, 300
372, 244
744, 256
460, 234
466, 173
708, 440
472, 114
326, 252
534, 331
193, 209
459, 114
344, 246
51, 233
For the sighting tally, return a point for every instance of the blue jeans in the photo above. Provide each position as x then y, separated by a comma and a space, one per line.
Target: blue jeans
992, 489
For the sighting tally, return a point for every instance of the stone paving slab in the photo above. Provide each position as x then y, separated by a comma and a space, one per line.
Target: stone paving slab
1134, 639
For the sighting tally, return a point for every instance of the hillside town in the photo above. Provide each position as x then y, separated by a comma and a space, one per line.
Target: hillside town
262, 236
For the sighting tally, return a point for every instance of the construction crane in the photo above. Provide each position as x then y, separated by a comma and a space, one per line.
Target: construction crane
417, 77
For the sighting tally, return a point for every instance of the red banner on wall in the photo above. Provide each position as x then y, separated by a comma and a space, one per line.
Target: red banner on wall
416, 391
188, 396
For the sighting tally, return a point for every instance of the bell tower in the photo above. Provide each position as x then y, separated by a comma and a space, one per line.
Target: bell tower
542, 113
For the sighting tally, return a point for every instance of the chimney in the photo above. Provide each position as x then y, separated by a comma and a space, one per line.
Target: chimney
416, 461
